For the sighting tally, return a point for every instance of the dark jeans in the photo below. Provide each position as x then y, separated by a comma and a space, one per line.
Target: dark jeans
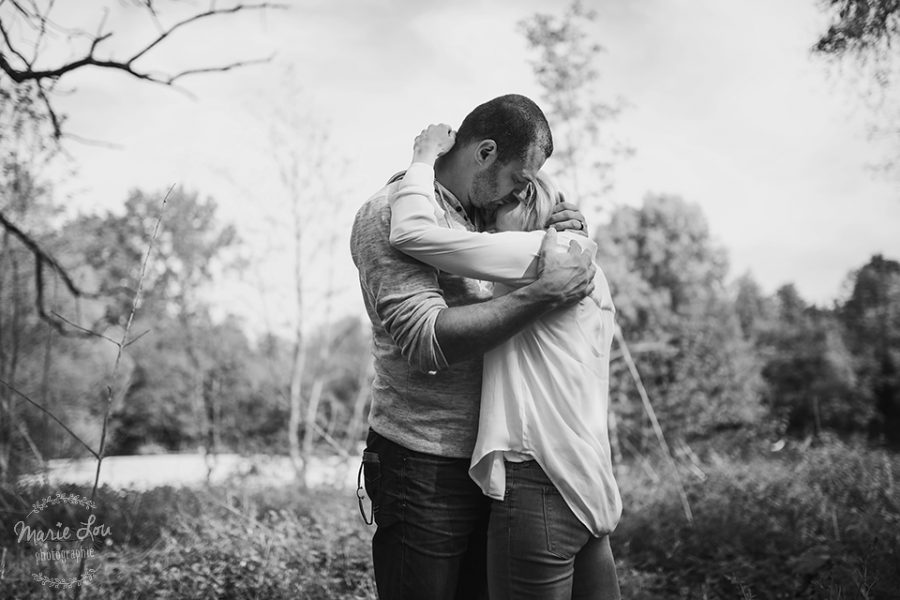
537, 547
430, 540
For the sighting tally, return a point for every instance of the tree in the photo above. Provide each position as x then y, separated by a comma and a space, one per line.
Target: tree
585, 149
863, 34
25, 199
667, 279
860, 27
754, 310
808, 369
310, 178
191, 247
871, 320
31, 42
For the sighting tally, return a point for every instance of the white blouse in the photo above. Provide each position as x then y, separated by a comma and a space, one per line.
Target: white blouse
545, 391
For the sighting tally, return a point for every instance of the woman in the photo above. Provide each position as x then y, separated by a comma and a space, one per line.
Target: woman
542, 451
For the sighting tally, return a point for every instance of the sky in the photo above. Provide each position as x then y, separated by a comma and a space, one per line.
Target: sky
726, 108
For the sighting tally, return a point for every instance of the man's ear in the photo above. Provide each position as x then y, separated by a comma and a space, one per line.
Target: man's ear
486, 153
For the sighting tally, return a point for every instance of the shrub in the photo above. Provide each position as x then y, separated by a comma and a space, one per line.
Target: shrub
819, 526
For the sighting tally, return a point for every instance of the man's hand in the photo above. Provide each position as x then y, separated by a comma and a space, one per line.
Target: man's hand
564, 276
566, 216
434, 141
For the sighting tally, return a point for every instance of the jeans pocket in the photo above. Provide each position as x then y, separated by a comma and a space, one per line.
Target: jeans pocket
566, 535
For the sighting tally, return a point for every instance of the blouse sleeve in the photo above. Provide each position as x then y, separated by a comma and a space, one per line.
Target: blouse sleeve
508, 257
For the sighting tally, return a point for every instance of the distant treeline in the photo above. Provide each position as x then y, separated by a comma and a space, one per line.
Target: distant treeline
717, 357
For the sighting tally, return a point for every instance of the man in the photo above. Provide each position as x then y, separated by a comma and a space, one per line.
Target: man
430, 332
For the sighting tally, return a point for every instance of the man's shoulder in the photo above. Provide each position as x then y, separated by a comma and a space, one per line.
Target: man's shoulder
372, 224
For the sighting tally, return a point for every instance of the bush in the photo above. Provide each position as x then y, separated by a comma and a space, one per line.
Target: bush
820, 522
822, 525
222, 543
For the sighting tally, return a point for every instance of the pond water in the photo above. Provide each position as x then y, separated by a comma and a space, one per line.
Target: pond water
154, 470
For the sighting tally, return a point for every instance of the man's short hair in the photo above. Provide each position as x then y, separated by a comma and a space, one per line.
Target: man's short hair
514, 122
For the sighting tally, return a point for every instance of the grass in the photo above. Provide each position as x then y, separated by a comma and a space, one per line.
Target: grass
821, 523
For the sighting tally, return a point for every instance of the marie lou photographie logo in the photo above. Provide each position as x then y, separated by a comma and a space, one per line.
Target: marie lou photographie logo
60, 533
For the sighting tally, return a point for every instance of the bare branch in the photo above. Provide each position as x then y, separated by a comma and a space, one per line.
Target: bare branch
27, 71
220, 69
121, 345
204, 15
44, 20
28, 74
22, 10
55, 121
137, 337
121, 348
42, 259
49, 414
91, 142
85, 330
9, 45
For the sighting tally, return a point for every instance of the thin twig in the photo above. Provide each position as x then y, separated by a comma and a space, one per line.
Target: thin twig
85, 330
91, 142
121, 345
645, 399
139, 336
221, 69
209, 13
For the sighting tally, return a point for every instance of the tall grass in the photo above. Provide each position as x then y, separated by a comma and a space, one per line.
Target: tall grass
819, 523
822, 523
217, 543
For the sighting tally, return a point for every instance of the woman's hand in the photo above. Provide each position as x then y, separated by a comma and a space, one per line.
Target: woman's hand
434, 141
566, 216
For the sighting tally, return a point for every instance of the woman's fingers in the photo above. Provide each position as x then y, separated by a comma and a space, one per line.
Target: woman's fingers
568, 221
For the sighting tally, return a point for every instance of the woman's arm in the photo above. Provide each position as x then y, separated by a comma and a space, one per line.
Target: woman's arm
507, 257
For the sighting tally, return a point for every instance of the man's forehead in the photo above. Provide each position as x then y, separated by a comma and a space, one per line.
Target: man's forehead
534, 160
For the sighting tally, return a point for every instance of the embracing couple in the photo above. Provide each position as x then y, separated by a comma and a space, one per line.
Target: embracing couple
487, 460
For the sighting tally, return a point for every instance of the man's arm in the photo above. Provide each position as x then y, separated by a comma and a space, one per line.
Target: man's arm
509, 257
564, 278
406, 298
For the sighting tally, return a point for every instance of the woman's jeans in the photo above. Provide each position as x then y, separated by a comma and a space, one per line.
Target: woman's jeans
537, 547
431, 522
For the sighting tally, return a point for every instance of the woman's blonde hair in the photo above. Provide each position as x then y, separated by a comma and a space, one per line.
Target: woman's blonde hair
538, 203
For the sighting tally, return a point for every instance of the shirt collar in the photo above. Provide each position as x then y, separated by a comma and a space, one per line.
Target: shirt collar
450, 202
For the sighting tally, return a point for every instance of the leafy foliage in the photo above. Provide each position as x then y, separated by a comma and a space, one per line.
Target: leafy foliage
860, 26
871, 319
668, 282
808, 369
566, 68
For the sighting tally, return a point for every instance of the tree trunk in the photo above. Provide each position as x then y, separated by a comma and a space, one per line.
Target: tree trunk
614, 444
309, 424
356, 425
9, 375
295, 401
5, 416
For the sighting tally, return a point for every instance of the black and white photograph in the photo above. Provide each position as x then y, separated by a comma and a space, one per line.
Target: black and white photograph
449, 300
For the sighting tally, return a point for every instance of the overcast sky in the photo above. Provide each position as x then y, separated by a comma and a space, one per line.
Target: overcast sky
728, 110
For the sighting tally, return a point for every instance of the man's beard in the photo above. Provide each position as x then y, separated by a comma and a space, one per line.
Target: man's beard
485, 196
